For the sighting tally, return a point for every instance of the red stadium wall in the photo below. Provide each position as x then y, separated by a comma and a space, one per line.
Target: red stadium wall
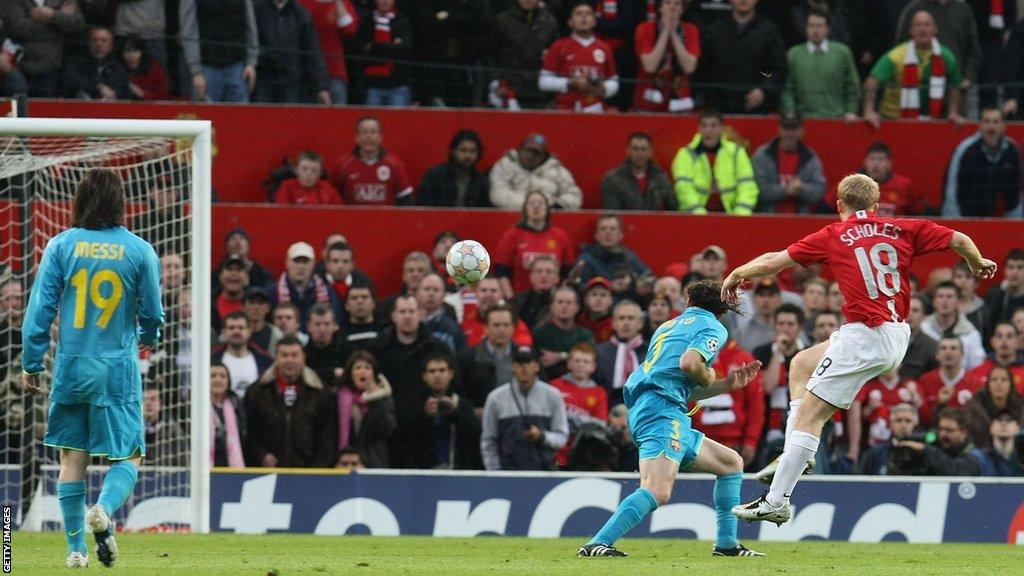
251, 140
382, 237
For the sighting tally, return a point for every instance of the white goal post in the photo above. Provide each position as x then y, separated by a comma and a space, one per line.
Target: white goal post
195, 168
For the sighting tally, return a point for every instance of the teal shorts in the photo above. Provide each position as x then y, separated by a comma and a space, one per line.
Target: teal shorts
115, 432
660, 426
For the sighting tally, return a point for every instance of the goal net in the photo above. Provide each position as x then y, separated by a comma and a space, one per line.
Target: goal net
165, 169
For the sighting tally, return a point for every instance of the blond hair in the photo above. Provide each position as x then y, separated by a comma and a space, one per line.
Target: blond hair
858, 192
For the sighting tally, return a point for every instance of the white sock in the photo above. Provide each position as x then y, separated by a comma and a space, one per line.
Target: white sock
800, 447
791, 418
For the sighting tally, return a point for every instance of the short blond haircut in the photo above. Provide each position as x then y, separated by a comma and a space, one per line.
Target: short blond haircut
858, 192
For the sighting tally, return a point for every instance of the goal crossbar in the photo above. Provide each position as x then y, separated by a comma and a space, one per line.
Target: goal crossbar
201, 163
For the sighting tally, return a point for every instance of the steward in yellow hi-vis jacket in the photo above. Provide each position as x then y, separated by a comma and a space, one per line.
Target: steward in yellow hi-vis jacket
713, 173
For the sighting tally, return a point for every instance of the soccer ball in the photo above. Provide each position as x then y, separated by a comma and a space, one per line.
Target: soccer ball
467, 262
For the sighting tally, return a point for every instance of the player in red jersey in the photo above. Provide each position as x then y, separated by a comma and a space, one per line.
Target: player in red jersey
580, 68
870, 257
370, 175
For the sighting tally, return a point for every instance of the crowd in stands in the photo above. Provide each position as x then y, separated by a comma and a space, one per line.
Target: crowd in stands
525, 370
849, 59
714, 172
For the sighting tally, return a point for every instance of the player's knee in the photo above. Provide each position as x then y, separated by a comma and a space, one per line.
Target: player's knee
732, 462
662, 494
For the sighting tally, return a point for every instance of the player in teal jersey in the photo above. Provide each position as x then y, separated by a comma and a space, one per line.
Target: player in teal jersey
105, 283
678, 369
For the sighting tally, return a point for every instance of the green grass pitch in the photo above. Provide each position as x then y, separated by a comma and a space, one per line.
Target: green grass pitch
287, 555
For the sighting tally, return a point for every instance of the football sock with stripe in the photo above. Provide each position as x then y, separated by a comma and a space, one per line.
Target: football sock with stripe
727, 495
800, 448
631, 511
117, 485
72, 507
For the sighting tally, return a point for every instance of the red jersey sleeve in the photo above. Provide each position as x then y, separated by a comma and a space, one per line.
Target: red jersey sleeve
609, 64
811, 250
352, 27
332, 193
339, 173
553, 58
691, 38
644, 38
600, 409
931, 237
403, 186
568, 251
505, 256
284, 193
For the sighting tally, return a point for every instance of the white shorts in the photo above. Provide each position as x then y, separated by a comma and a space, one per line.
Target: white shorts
855, 355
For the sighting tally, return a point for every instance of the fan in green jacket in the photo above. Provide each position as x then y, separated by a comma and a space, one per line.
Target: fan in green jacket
712, 168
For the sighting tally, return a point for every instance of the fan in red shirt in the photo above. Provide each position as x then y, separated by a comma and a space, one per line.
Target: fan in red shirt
1004, 354
897, 196
307, 187
474, 310
585, 401
667, 53
334, 20
870, 257
233, 278
875, 400
734, 419
949, 385
370, 175
596, 314
532, 236
580, 68
148, 80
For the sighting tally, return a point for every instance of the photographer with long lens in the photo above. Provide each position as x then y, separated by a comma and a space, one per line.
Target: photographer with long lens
949, 453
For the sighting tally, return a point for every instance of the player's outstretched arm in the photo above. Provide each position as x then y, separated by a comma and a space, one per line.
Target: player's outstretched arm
764, 265
737, 378
980, 266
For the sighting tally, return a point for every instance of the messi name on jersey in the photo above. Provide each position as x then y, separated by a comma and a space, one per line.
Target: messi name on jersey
99, 250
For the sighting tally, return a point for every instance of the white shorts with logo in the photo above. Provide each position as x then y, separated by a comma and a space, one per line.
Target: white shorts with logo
855, 355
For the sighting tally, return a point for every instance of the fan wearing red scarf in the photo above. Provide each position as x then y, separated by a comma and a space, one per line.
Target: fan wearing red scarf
920, 77
667, 51
580, 68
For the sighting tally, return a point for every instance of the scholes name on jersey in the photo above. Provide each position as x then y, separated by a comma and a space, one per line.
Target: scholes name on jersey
99, 250
870, 230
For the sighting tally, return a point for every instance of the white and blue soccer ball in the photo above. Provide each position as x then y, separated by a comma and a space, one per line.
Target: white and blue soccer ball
468, 261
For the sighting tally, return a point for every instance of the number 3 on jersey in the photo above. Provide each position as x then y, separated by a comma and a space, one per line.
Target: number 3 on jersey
880, 276
93, 289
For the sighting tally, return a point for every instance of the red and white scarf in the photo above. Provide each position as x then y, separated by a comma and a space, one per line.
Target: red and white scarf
625, 359
652, 10
995, 16
607, 10
232, 440
910, 95
381, 35
285, 295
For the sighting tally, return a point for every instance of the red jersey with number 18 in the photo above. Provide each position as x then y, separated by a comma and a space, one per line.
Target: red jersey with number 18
870, 257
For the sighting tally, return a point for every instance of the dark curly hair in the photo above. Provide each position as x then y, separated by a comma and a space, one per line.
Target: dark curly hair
707, 294
99, 201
